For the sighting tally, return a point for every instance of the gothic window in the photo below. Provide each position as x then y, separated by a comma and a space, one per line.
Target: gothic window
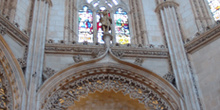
121, 27
90, 28
85, 25
215, 8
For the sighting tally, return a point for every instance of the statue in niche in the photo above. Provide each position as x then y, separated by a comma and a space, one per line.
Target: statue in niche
105, 20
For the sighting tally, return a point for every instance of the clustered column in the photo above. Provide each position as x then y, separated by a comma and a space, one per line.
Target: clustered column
173, 36
70, 23
202, 14
36, 49
8, 8
138, 21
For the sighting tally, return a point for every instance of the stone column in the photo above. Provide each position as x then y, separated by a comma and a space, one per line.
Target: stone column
139, 29
36, 50
180, 64
202, 14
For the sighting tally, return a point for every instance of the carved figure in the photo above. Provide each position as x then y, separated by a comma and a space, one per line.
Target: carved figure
105, 20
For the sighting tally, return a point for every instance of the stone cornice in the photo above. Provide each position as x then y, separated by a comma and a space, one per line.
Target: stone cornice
166, 4
6, 27
88, 49
202, 40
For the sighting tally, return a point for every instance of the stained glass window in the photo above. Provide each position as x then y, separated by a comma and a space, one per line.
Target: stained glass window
121, 27
100, 32
85, 25
215, 8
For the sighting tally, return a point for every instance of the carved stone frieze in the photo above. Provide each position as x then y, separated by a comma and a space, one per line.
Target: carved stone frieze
48, 72
203, 39
71, 92
140, 52
6, 27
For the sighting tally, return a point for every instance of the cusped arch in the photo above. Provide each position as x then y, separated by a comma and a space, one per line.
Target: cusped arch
61, 90
12, 82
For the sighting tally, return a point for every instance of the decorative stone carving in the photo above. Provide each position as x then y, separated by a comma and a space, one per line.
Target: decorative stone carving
118, 53
97, 52
169, 77
2, 30
139, 61
48, 72
77, 58
6, 102
71, 92
22, 62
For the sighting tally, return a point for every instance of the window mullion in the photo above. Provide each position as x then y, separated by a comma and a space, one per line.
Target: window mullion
113, 27
95, 39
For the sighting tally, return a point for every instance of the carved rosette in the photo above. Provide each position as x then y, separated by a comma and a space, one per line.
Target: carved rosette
67, 94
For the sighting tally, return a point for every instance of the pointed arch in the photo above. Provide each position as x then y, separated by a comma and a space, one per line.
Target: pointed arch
12, 78
58, 91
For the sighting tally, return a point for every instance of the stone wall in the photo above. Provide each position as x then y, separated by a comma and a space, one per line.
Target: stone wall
22, 13
154, 30
206, 63
56, 20
187, 21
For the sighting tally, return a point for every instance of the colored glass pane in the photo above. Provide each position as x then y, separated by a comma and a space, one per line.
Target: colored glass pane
85, 25
122, 27
215, 8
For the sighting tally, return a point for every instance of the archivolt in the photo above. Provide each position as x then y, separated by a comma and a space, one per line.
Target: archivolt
108, 78
12, 83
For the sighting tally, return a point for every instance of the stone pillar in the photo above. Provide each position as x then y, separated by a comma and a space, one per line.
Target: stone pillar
36, 50
202, 13
180, 64
139, 29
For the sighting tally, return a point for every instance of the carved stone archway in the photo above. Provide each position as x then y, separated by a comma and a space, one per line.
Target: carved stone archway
12, 82
107, 77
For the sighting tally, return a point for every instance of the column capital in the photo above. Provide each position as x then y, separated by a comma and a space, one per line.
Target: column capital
166, 4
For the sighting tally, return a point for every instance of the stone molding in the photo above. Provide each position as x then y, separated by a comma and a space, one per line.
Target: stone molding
14, 75
203, 39
6, 27
93, 49
166, 4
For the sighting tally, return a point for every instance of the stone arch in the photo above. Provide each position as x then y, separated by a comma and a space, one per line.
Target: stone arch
12, 84
61, 90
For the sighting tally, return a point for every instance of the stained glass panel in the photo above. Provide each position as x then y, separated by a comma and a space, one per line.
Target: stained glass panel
215, 8
85, 25
122, 27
